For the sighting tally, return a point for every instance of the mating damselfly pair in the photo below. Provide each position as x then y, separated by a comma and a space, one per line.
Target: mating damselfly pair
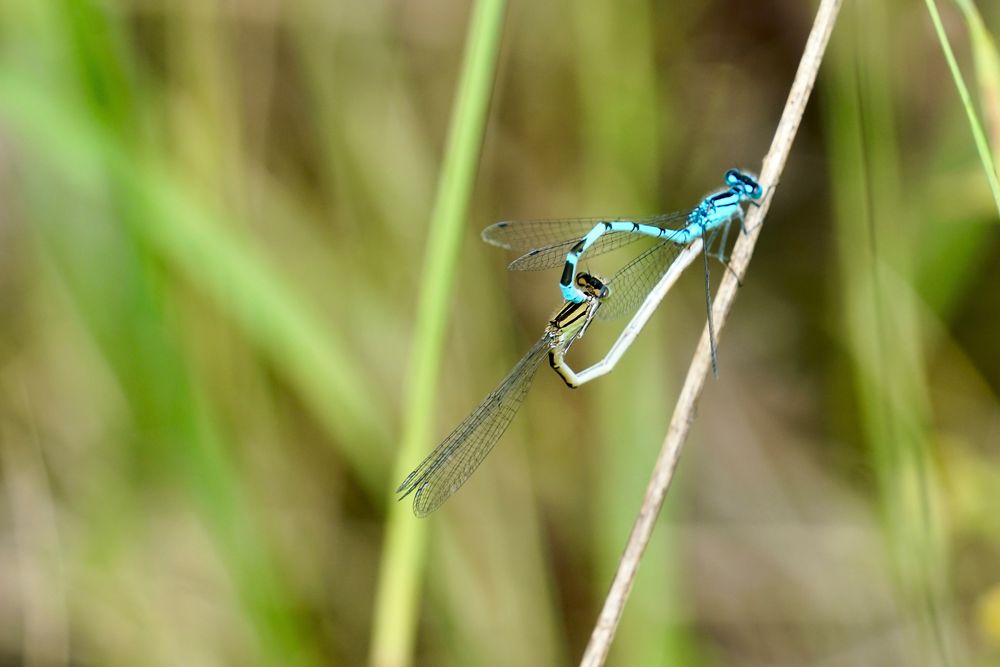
546, 244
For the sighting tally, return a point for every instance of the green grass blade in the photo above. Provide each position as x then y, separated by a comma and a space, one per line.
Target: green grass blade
987, 61
396, 603
982, 146
882, 328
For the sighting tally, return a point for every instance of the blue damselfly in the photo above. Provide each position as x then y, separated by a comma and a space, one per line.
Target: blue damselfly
546, 244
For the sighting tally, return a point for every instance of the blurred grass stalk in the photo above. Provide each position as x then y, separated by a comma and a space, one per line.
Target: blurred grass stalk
987, 61
622, 143
218, 260
988, 75
82, 128
404, 553
94, 200
877, 254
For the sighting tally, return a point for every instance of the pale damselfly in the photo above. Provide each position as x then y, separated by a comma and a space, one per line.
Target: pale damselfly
452, 462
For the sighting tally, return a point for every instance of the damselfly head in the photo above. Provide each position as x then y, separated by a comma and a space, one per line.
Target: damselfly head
591, 285
745, 183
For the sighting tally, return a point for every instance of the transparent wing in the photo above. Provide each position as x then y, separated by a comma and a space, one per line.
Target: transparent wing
453, 461
554, 255
546, 242
521, 236
630, 285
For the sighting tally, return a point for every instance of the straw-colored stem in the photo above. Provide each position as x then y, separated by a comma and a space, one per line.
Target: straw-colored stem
680, 425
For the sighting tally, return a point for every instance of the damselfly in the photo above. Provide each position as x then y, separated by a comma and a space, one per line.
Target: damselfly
452, 462
547, 244
635, 289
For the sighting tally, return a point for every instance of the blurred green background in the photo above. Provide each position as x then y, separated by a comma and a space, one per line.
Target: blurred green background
214, 253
